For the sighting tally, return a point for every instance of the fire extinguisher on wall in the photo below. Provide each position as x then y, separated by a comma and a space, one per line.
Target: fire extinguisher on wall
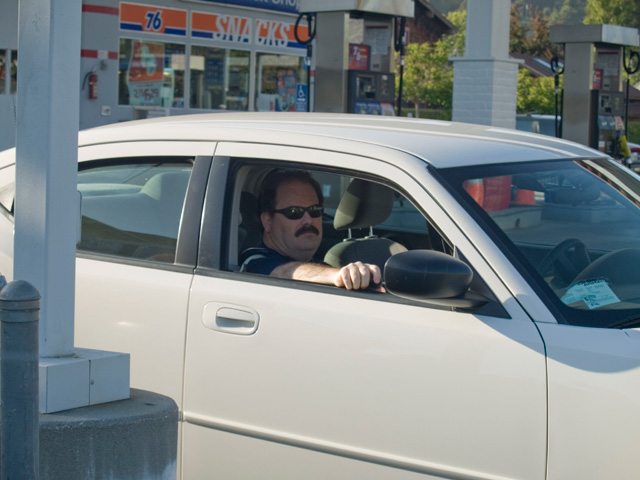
92, 78
93, 85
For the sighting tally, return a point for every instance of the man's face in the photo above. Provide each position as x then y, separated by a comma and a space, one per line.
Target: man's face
297, 239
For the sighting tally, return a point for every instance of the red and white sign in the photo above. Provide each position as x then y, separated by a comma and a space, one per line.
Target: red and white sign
359, 57
224, 28
151, 19
271, 33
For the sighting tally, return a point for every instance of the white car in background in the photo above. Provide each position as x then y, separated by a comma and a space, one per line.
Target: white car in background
505, 347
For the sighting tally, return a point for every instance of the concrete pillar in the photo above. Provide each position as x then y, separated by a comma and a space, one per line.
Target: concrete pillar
485, 80
46, 216
47, 206
332, 56
578, 80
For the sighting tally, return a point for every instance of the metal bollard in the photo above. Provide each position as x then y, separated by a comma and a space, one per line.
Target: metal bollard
19, 415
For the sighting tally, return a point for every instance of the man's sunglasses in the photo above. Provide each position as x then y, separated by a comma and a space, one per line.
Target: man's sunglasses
296, 213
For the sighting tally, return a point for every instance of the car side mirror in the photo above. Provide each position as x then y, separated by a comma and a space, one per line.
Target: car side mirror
431, 277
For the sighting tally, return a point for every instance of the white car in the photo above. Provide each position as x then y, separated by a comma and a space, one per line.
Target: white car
505, 346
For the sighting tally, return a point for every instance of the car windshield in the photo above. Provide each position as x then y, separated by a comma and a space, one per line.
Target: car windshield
572, 226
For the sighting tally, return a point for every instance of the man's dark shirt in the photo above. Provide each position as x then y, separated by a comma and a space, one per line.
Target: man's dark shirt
264, 260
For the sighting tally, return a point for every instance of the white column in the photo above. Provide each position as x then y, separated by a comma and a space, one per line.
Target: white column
46, 167
46, 207
485, 80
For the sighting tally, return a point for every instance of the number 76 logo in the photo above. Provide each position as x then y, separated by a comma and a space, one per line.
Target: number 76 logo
154, 20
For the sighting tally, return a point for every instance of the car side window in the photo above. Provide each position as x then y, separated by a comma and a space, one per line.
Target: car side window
363, 220
133, 209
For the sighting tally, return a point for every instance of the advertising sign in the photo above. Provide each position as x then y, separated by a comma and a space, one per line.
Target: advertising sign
224, 28
286, 90
288, 6
271, 33
301, 98
597, 79
150, 19
145, 76
358, 57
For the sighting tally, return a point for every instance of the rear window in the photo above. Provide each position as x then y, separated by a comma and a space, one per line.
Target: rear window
133, 209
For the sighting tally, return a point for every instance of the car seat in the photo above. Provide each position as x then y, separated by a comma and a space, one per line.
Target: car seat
363, 205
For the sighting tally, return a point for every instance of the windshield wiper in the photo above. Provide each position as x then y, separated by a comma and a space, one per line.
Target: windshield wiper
629, 322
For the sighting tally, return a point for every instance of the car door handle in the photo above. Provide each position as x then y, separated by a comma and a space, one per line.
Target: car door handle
227, 318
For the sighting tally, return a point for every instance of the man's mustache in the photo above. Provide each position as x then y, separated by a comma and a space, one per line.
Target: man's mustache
307, 229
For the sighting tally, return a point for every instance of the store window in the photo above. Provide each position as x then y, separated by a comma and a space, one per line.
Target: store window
151, 74
8, 71
277, 78
219, 78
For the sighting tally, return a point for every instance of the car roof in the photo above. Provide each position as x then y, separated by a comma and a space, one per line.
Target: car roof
440, 143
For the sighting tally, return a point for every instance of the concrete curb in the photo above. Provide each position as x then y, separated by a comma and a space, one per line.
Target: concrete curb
134, 439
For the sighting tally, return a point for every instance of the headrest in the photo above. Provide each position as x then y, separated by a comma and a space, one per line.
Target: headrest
167, 183
363, 204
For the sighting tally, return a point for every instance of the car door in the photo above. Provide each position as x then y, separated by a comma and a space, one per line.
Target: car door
141, 207
294, 380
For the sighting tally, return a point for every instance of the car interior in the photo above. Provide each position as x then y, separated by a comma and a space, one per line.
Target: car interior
133, 212
363, 219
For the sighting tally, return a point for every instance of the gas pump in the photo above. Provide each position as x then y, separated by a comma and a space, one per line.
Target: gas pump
607, 101
593, 101
607, 121
354, 54
370, 93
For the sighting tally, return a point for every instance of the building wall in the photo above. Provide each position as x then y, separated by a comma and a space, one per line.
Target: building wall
263, 35
427, 26
8, 44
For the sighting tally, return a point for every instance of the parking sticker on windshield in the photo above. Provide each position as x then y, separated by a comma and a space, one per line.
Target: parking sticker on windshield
595, 293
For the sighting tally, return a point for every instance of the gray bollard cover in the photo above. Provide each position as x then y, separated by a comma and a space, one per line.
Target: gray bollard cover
134, 439
19, 444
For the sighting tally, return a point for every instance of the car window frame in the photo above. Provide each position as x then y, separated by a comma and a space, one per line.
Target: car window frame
213, 258
563, 314
190, 219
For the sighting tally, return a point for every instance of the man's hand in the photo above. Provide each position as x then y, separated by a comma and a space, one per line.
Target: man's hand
358, 276
355, 276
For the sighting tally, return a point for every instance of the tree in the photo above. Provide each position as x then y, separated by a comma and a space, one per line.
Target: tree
428, 74
569, 12
625, 13
536, 94
530, 37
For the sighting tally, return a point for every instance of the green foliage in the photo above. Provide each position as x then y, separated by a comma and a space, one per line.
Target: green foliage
614, 12
566, 12
428, 78
536, 94
428, 74
633, 135
529, 32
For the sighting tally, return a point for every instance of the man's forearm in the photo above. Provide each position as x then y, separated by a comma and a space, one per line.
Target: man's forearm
356, 275
307, 272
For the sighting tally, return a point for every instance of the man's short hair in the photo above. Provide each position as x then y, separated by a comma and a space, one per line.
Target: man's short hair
267, 197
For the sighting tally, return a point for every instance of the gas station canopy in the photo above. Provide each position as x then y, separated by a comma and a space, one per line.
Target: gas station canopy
396, 8
602, 33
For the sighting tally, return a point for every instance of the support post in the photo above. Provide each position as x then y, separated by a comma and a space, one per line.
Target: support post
485, 80
46, 204
19, 418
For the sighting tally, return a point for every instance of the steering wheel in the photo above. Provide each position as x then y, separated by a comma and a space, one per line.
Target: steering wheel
566, 265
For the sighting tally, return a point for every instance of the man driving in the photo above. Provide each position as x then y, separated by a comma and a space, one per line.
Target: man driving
291, 207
